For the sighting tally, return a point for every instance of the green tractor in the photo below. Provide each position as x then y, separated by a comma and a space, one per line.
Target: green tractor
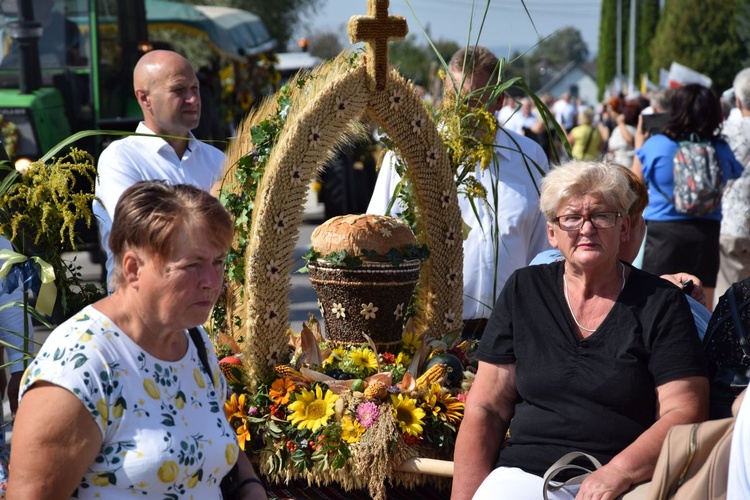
66, 65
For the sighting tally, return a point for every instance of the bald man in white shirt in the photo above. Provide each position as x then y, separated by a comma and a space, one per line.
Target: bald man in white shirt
167, 91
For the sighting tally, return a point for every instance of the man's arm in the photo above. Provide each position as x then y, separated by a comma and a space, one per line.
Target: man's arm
489, 407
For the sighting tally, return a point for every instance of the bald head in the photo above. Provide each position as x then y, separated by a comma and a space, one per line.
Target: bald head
156, 64
167, 90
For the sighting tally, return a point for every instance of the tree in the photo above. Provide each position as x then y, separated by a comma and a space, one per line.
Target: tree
279, 16
703, 35
418, 62
325, 45
412, 59
647, 20
607, 57
562, 47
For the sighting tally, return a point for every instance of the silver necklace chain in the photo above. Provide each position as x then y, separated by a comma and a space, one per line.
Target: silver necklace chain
570, 308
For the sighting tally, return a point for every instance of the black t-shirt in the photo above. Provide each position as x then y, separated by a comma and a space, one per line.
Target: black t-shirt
595, 394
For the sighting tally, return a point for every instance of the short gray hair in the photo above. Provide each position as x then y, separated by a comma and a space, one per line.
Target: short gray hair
742, 87
578, 178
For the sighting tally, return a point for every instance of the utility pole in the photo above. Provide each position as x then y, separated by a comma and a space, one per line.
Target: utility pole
618, 73
631, 50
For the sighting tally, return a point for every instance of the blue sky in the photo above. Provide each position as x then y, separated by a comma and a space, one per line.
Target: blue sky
507, 23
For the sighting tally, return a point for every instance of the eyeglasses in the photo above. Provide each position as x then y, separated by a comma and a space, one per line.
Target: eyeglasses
574, 222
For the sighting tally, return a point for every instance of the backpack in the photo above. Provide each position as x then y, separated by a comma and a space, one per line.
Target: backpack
697, 178
727, 348
694, 460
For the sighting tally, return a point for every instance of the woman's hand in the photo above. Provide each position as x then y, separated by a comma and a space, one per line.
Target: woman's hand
680, 279
640, 134
609, 482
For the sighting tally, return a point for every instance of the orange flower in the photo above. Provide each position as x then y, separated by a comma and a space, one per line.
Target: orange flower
280, 390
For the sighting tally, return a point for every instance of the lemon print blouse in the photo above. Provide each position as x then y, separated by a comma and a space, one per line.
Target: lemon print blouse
164, 432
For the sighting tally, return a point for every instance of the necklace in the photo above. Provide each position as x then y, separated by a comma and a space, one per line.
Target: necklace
570, 308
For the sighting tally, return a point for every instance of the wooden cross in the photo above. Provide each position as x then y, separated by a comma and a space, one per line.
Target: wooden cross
376, 29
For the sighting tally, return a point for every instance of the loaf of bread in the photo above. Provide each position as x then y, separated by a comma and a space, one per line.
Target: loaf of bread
355, 233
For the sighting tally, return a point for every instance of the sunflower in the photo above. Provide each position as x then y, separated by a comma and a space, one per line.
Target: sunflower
236, 411
336, 355
236, 407
243, 433
351, 430
280, 390
408, 416
403, 359
311, 410
411, 341
443, 405
364, 359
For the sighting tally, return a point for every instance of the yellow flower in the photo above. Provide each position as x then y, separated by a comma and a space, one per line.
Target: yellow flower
168, 471
403, 359
235, 407
364, 359
443, 405
243, 433
151, 389
280, 390
408, 416
351, 430
312, 409
336, 355
411, 341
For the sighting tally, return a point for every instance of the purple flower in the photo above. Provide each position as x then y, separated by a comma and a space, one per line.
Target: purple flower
253, 411
367, 414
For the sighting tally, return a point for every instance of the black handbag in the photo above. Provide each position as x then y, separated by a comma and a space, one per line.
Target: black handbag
727, 348
230, 484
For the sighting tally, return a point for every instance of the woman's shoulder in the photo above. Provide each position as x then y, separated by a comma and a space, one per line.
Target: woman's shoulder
545, 272
659, 140
88, 330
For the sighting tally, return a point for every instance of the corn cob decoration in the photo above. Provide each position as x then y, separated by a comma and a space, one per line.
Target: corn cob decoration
433, 375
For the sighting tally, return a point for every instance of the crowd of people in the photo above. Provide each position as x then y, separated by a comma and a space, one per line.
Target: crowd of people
585, 352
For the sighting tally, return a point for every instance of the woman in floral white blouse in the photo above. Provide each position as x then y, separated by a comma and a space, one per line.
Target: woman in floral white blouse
118, 402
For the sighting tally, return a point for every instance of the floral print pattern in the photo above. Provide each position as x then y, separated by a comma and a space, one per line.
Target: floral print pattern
165, 435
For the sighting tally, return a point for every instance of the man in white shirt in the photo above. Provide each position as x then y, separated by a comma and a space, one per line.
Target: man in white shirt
167, 91
565, 112
508, 230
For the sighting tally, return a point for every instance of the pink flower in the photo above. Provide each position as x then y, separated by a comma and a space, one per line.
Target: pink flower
253, 411
462, 397
367, 414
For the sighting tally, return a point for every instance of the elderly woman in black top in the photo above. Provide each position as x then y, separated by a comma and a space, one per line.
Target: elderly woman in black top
586, 354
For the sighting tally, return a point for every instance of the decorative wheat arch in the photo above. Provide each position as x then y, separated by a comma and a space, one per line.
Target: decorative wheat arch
312, 130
